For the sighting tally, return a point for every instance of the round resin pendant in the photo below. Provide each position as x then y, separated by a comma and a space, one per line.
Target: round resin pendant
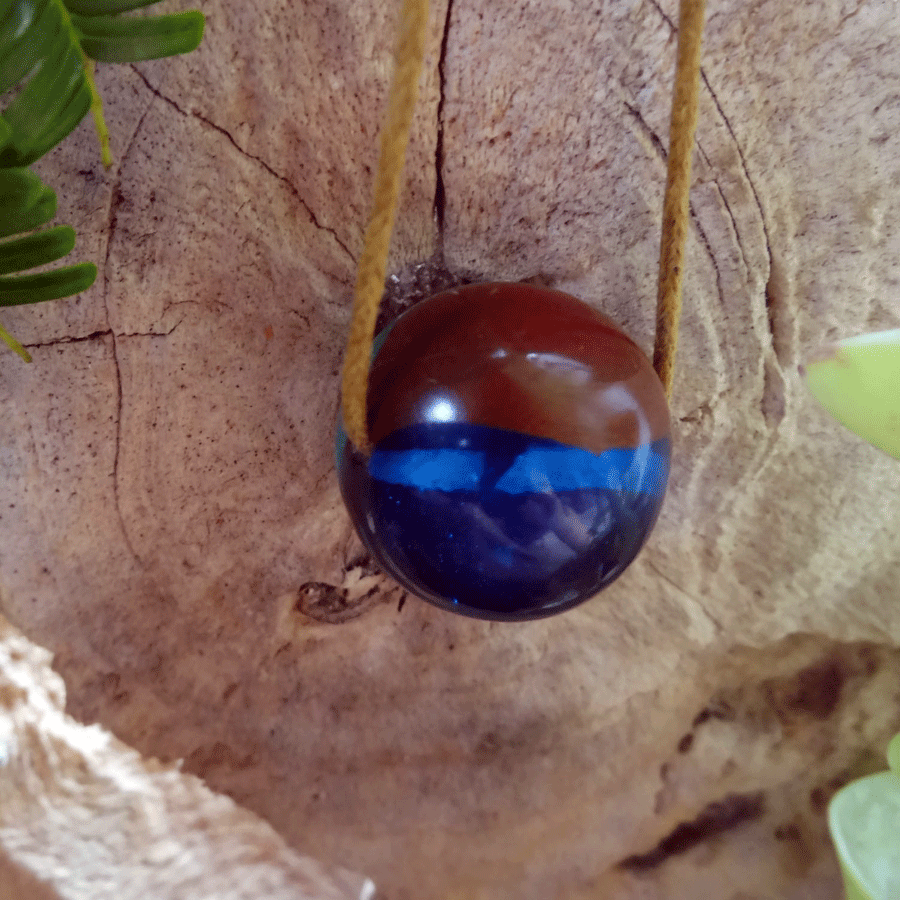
521, 452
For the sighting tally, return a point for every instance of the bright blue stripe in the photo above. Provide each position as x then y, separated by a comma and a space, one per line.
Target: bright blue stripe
570, 469
538, 470
429, 470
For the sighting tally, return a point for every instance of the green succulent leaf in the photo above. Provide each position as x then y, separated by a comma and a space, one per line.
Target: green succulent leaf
864, 820
893, 755
858, 382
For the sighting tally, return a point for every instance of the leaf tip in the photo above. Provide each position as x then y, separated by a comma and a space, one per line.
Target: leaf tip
14, 345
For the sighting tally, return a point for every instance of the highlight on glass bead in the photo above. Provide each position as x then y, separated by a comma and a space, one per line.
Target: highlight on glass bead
521, 452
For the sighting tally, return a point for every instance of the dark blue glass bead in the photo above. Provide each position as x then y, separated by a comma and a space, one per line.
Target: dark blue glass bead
500, 522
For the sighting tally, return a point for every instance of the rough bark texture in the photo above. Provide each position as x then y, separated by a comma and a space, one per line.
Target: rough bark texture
171, 528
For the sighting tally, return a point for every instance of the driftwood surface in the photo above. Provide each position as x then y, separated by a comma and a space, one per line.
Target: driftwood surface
171, 527
84, 817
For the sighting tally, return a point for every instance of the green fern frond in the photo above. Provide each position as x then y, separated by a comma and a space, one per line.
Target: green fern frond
46, 49
47, 285
105, 7
26, 204
37, 42
117, 39
45, 42
35, 250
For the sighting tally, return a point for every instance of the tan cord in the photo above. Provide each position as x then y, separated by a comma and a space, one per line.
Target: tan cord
404, 91
394, 139
678, 185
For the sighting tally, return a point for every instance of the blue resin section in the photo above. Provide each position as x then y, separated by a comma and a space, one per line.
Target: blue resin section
501, 525
538, 469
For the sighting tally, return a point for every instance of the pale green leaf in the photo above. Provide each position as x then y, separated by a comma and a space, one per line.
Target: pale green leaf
858, 382
864, 819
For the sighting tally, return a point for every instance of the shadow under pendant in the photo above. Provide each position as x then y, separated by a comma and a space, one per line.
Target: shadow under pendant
521, 452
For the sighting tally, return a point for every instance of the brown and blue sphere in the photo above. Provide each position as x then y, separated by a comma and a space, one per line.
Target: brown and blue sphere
521, 452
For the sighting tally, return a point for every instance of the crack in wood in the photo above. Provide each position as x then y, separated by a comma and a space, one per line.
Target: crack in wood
258, 160
118, 452
333, 604
673, 27
773, 403
852, 15
727, 123
744, 168
727, 206
647, 131
738, 149
696, 416
106, 332
440, 196
661, 151
709, 250
681, 590
115, 201
70, 340
772, 400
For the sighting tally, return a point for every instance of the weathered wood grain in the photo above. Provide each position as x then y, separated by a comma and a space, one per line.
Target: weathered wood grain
83, 816
167, 485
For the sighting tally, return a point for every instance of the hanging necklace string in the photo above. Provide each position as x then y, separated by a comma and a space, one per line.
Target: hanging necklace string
676, 208
408, 58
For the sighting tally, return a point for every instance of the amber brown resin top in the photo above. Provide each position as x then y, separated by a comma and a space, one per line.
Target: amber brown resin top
521, 358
